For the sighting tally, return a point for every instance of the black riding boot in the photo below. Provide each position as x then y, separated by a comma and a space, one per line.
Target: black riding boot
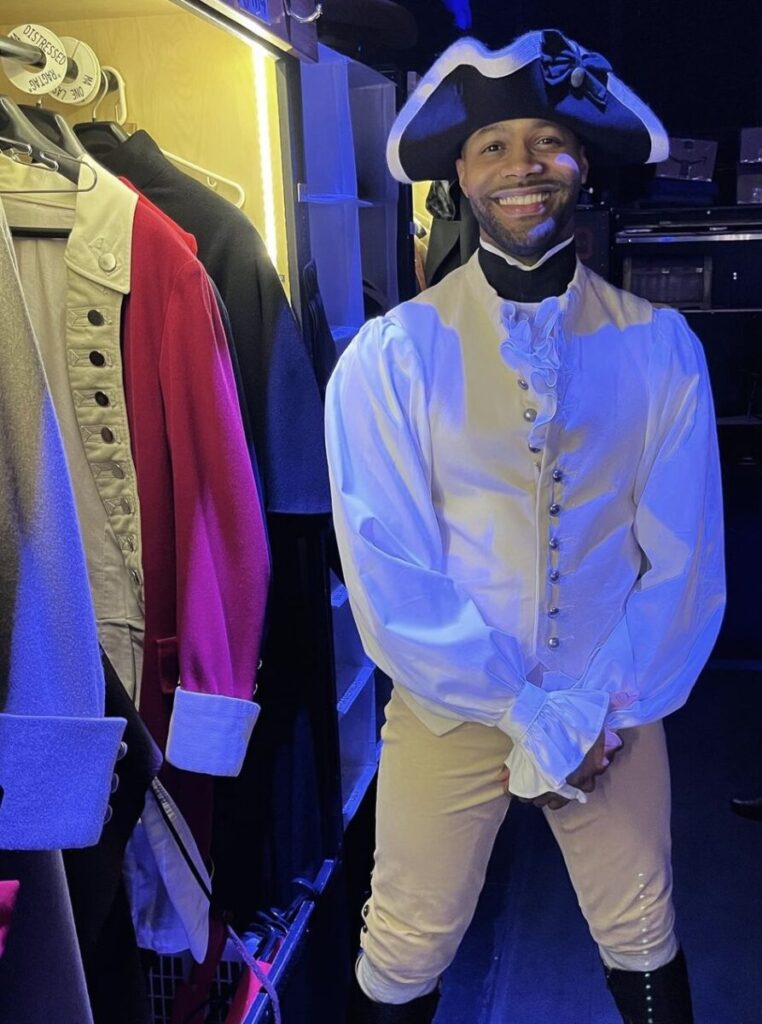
363, 1010
662, 996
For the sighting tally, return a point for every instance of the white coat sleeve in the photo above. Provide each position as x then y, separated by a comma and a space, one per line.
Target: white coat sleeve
417, 624
672, 616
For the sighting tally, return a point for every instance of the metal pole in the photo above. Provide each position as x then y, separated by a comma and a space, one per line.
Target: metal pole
22, 52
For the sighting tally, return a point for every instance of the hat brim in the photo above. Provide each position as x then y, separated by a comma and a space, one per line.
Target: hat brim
470, 87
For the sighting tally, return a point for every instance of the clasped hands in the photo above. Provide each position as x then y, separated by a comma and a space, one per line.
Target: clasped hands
596, 761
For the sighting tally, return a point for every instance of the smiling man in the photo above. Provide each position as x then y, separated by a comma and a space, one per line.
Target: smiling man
522, 178
527, 503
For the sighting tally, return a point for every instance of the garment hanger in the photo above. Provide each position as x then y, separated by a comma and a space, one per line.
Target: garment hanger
101, 137
54, 127
11, 149
212, 178
16, 127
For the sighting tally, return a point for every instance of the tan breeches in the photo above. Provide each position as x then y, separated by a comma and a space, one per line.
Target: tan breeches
440, 804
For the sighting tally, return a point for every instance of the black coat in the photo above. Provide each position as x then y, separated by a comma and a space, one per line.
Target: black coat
280, 387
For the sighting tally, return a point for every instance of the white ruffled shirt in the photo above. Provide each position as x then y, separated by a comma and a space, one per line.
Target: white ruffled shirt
528, 509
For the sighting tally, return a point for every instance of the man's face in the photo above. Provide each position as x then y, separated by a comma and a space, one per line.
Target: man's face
523, 177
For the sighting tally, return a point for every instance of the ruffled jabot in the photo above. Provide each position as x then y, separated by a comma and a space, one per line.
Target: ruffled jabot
532, 346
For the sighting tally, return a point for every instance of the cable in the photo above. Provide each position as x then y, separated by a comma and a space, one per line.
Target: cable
243, 952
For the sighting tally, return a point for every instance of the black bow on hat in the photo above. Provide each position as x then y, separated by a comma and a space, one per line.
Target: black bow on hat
564, 61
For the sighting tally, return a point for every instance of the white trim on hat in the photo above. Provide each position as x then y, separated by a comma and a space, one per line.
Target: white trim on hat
490, 63
500, 64
652, 124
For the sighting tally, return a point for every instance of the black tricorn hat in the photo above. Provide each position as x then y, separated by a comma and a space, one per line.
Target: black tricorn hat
540, 75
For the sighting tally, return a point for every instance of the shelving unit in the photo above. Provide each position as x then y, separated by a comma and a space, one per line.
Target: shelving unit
352, 203
347, 112
356, 708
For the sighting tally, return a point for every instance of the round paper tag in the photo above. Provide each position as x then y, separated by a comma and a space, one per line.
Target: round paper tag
84, 86
37, 81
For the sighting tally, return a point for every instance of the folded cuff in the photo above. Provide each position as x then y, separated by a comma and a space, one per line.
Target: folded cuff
55, 780
552, 731
209, 732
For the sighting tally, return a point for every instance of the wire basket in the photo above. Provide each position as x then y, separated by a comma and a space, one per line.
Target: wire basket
166, 972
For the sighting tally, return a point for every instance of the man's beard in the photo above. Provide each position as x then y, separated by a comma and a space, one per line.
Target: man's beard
527, 244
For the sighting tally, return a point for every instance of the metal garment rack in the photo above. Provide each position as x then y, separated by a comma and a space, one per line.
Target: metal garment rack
33, 56
25, 53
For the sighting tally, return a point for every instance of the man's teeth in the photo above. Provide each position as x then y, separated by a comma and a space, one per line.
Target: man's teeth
526, 200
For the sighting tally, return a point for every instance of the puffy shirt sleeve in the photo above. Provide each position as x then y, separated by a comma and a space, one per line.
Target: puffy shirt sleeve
673, 614
417, 624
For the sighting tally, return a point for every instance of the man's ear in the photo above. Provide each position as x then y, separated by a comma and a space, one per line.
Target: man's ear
460, 167
584, 165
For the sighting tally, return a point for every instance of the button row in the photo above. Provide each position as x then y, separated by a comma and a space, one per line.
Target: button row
98, 359
97, 319
554, 509
530, 415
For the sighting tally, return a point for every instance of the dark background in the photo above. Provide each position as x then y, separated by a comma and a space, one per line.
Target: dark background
699, 64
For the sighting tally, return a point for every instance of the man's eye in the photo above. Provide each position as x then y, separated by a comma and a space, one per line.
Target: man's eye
492, 147
549, 140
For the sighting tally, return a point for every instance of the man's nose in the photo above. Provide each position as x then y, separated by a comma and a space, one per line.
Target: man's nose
519, 161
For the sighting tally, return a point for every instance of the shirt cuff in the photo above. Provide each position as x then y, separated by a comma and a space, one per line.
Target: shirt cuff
209, 732
551, 732
55, 779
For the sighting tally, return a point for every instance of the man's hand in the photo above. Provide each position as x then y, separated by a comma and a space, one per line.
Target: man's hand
594, 763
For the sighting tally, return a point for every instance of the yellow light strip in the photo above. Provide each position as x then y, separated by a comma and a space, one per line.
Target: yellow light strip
260, 57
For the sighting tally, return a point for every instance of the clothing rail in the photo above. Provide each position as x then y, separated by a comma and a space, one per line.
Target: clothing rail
23, 52
33, 56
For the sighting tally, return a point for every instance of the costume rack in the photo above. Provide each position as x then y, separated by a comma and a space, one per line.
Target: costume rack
333, 695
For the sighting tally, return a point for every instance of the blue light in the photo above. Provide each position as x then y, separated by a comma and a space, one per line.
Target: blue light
461, 11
